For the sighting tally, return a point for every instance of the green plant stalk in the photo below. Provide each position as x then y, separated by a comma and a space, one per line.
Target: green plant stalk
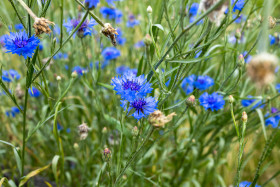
241, 150
133, 156
18, 15
152, 36
61, 21
69, 37
233, 118
182, 33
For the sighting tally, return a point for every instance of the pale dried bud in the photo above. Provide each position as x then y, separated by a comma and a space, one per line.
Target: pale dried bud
83, 131
58, 78
74, 74
135, 131
216, 15
230, 99
110, 32
76, 146
244, 117
261, 69
191, 101
148, 40
107, 155
149, 9
158, 119
19, 92
41, 25
271, 22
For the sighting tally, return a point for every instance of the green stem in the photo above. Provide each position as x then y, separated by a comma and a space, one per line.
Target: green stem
233, 118
23, 130
61, 22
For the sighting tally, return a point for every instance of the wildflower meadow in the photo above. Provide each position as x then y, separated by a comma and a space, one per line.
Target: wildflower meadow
139, 93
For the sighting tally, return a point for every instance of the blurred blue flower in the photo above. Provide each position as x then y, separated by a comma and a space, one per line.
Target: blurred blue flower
85, 29
19, 27
248, 58
129, 86
141, 107
187, 84
91, 3
193, 9
13, 112
60, 55
248, 102
120, 39
239, 19
103, 64
111, 2
111, 13
239, 5
122, 69
10, 75
272, 40
79, 70
277, 87
34, 92
110, 53
246, 184
273, 121
203, 82
132, 21
213, 101
19, 43
139, 44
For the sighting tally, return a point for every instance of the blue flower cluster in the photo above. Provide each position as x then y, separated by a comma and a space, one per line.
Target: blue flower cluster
13, 112
132, 21
84, 30
274, 120
19, 43
79, 70
133, 90
249, 102
120, 39
193, 11
111, 13
10, 75
110, 53
91, 3
198, 82
34, 92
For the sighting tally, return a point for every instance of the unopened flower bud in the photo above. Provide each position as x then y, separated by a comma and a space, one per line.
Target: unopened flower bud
76, 146
148, 40
230, 99
104, 130
135, 131
191, 101
238, 34
107, 155
74, 74
83, 131
241, 60
149, 9
158, 119
244, 117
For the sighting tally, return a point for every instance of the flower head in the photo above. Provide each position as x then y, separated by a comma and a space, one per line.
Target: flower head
79, 70
10, 75
13, 112
110, 53
132, 21
41, 25
203, 82
19, 43
246, 184
111, 13
213, 101
83, 131
273, 121
193, 9
34, 92
239, 4
188, 84
139, 44
129, 86
19, 27
158, 119
84, 30
90, 4
249, 101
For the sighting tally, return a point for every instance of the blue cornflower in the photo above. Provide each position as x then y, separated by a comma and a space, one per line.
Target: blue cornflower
13, 112
19, 43
247, 184
248, 58
187, 84
10, 75
248, 102
111, 2
213, 101
111, 13
19, 27
129, 86
84, 30
139, 44
239, 5
277, 87
203, 82
142, 107
110, 53
132, 21
91, 3
120, 39
194, 9
79, 70
34, 92
272, 40
102, 64
273, 121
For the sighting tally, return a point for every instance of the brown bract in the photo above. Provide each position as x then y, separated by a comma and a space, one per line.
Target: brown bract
261, 69
158, 119
110, 32
41, 25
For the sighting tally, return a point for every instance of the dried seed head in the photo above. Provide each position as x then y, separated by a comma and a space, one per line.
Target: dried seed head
41, 25
19, 92
271, 22
244, 117
261, 69
83, 131
107, 155
110, 32
158, 119
216, 15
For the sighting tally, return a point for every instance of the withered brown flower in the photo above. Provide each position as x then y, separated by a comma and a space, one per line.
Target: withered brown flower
158, 119
110, 32
41, 25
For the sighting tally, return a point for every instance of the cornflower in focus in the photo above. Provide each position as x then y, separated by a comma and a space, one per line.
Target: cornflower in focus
212, 101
